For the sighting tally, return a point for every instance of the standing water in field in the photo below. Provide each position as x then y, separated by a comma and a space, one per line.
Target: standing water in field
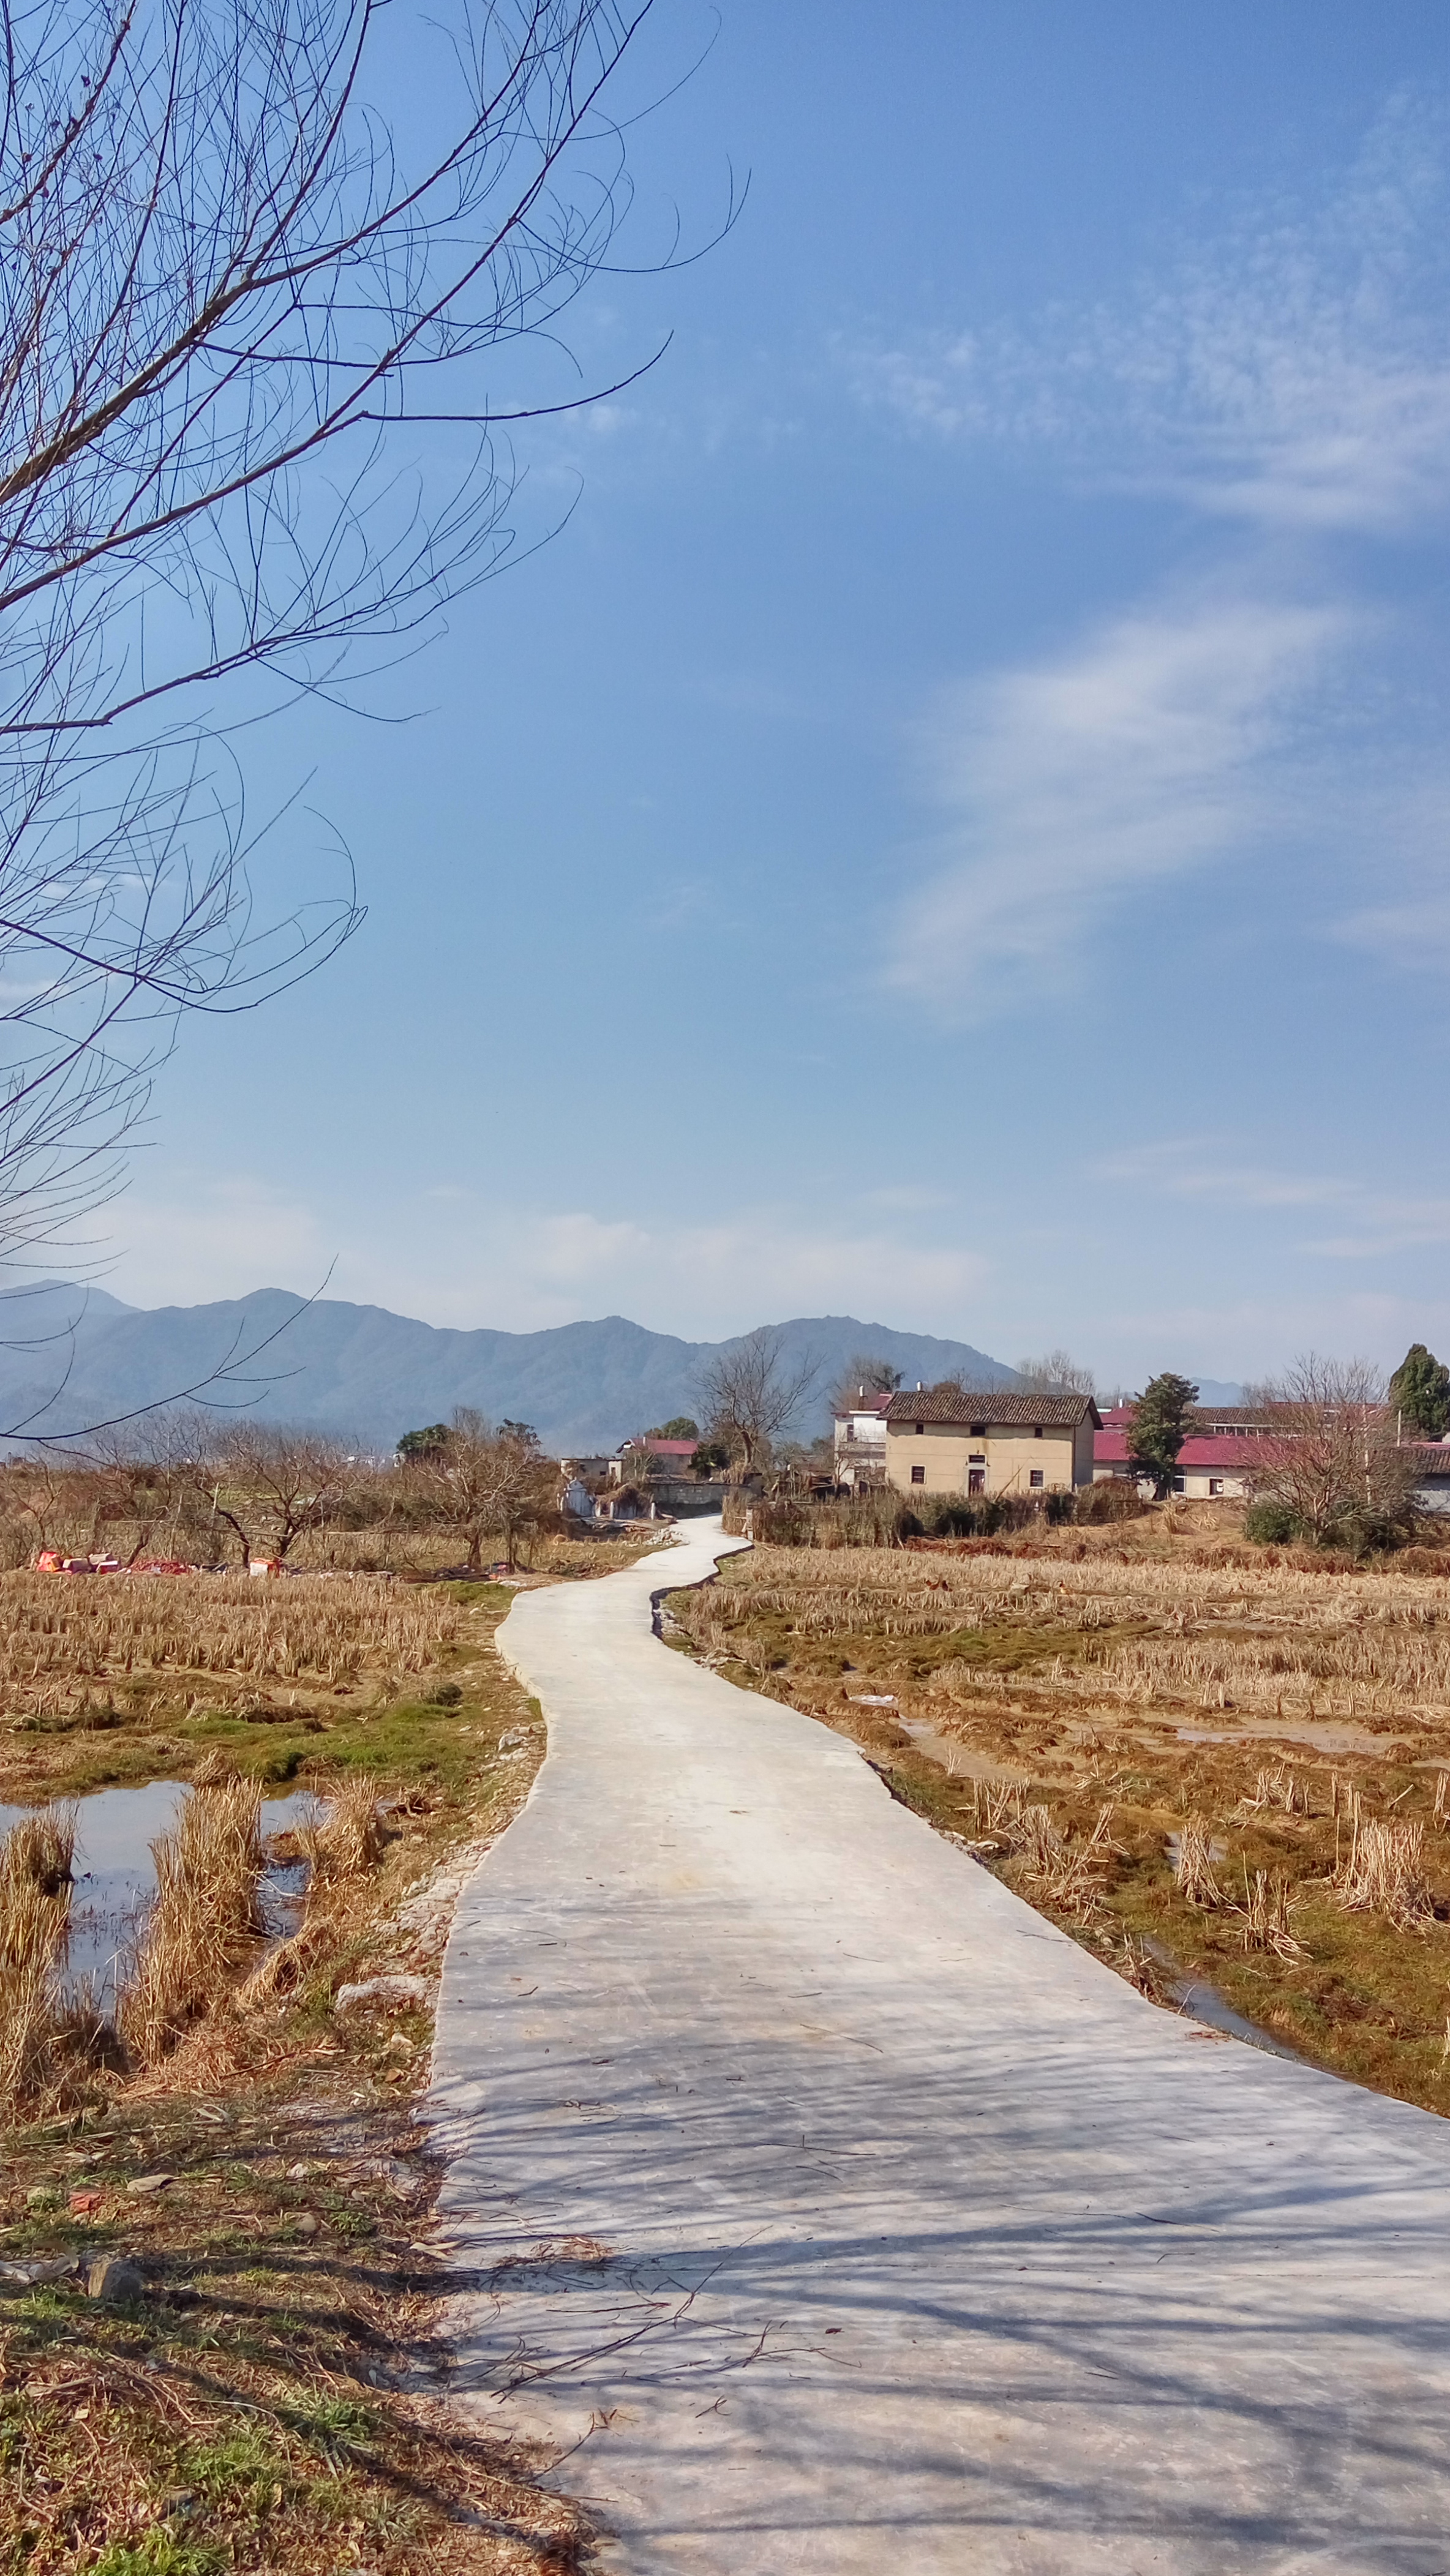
115, 1876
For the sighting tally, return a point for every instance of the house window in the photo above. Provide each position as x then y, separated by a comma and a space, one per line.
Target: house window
1179, 1485
920, 1427
976, 1480
1037, 1431
979, 1431
918, 1475
1215, 1484
1035, 1480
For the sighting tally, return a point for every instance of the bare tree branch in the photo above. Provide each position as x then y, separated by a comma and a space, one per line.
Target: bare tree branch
231, 305
751, 1392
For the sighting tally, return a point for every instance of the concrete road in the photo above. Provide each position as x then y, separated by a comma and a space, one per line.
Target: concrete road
827, 2210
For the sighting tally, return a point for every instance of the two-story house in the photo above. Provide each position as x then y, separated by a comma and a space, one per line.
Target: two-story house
940, 1440
860, 1441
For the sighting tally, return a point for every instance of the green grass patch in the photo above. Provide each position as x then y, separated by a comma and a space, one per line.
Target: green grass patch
160, 2553
332, 2424
244, 2469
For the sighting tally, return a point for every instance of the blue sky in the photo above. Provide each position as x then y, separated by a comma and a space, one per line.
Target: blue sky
954, 827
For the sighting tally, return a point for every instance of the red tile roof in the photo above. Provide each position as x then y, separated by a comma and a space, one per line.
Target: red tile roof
1110, 1449
1201, 1417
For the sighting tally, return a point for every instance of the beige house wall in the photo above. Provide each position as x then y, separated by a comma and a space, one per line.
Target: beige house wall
1082, 1452
1198, 1483
946, 1453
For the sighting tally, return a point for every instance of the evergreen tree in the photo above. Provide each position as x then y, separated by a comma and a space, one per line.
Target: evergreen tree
1420, 1393
1160, 1422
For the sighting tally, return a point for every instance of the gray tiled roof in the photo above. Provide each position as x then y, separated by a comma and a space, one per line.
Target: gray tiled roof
947, 1405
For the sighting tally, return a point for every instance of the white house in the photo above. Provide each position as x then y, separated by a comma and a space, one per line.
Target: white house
860, 1441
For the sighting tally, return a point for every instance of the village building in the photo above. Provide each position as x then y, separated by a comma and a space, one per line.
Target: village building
860, 1442
655, 1457
940, 1440
1215, 1463
1432, 1480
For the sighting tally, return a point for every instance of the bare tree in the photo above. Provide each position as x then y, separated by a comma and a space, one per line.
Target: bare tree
1056, 1373
863, 1377
233, 313
752, 1391
1330, 1453
487, 1484
266, 1482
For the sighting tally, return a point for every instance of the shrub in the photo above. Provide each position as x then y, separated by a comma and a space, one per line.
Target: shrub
1368, 1533
1271, 1524
885, 1518
1116, 1499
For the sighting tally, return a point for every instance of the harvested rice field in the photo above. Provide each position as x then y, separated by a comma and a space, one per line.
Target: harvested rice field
114, 1678
1207, 1767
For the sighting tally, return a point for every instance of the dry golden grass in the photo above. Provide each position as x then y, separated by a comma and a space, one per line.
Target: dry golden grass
1281, 1641
347, 1840
1264, 1916
35, 1889
341, 1847
388, 1547
1193, 1867
1383, 1871
206, 1640
203, 1919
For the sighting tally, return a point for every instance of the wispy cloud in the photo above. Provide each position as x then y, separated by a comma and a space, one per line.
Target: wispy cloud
1375, 1221
1292, 375
1295, 372
1412, 935
1192, 1167
1153, 747
465, 1260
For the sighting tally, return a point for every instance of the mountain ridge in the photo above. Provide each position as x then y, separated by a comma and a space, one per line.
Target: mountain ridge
74, 1357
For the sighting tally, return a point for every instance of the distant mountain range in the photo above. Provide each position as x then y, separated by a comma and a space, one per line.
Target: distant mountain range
73, 1357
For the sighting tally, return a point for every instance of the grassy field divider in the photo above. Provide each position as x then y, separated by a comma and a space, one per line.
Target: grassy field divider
204, 1919
36, 1859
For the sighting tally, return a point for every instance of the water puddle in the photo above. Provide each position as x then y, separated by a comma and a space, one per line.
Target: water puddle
115, 1876
1203, 2002
957, 1760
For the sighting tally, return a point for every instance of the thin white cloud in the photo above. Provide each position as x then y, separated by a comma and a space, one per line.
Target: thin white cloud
1413, 936
1294, 373
224, 1235
1153, 748
1186, 1167
1376, 1222
466, 1261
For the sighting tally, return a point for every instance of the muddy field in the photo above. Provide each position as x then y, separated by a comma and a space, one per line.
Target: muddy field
1204, 1765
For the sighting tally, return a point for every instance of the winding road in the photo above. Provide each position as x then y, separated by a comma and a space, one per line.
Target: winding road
823, 2208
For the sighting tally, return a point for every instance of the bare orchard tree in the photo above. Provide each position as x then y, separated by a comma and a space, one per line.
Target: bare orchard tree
1330, 1454
487, 1484
751, 1391
265, 1482
129, 1487
237, 315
